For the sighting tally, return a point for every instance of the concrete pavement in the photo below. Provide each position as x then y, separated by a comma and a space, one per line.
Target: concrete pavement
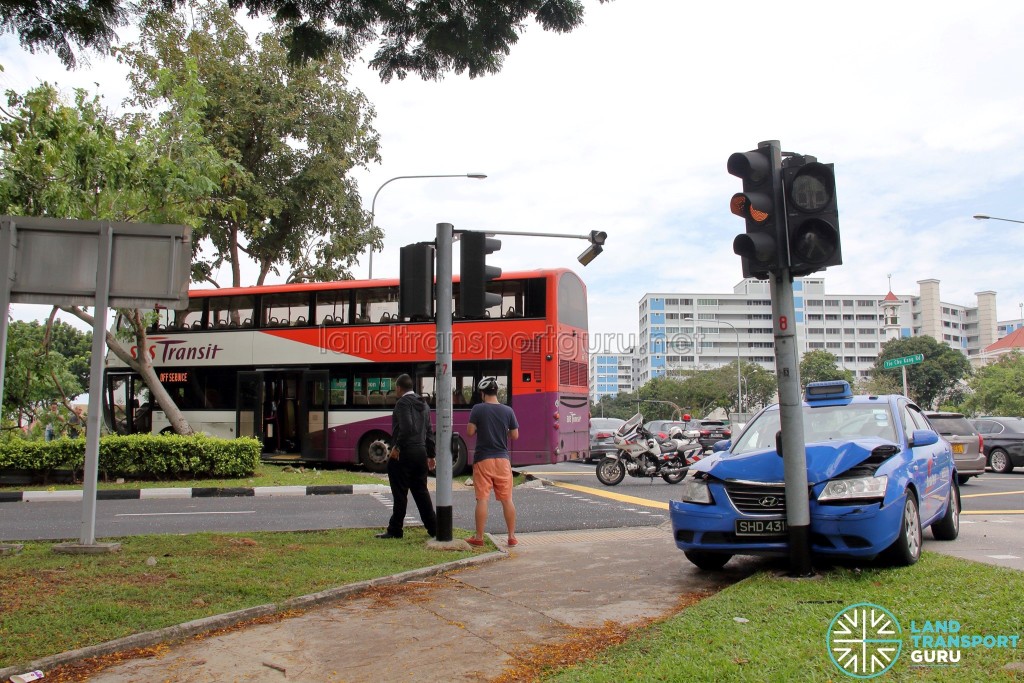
468, 624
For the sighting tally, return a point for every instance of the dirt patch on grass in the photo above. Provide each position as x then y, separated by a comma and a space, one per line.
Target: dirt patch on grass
582, 644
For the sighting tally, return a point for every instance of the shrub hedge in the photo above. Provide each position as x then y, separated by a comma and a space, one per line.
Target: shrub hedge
138, 456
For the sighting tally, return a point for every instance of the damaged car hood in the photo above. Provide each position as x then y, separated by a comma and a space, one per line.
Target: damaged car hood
825, 460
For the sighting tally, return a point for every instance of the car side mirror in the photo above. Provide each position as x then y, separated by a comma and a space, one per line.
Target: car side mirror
721, 446
923, 437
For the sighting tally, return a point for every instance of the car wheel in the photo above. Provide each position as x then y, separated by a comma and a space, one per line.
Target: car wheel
963, 478
707, 561
999, 461
906, 549
948, 528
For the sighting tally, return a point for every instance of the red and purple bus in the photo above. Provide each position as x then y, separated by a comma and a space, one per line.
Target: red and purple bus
309, 368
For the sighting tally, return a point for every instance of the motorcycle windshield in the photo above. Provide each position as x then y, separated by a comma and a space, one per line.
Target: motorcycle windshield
630, 425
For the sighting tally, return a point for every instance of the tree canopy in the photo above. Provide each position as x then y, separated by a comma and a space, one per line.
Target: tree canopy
821, 366
998, 388
429, 37
295, 132
42, 370
937, 380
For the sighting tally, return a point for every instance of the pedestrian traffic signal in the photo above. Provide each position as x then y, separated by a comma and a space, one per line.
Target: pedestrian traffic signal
474, 274
759, 205
416, 281
812, 216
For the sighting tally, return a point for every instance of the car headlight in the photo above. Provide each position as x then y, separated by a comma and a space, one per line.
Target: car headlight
854, 488
693, 490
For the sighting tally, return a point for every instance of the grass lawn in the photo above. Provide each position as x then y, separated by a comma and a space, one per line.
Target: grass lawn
783, 637
51, 603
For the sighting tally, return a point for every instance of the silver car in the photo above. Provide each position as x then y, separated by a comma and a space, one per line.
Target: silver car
602, 429
968, 445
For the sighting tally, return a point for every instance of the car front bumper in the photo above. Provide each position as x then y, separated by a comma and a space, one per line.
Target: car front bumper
856, 530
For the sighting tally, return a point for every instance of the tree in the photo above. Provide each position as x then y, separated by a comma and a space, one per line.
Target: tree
37, 372
998, 388
295, 131
932, 382
79, 161
821, 366
429, 37
760, 386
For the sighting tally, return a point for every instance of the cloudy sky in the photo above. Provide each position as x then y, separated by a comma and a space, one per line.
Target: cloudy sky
625, 126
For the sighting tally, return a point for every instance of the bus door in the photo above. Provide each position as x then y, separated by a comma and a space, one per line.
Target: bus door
312, 417
249, 421
127, 406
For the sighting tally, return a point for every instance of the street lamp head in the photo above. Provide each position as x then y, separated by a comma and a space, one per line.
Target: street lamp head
478, 176
981, 217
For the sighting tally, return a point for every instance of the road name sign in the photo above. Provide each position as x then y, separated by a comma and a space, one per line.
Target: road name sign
905, 360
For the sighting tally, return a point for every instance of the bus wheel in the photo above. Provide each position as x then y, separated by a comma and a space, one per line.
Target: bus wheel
373, 451
166, 431
460, 454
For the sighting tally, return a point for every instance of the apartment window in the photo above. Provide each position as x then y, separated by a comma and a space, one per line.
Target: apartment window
707, 302
833, 345
831, 330
831, 303
671, 302
848, 302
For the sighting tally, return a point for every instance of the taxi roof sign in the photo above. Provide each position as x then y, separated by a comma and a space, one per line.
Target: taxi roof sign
828, 391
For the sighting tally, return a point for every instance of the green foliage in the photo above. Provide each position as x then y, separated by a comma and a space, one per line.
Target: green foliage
997, 388
429, 37
296, 132
821, 366
139, 456
935, 381
35, 378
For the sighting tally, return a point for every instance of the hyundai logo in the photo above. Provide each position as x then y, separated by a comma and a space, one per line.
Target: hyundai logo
768, 501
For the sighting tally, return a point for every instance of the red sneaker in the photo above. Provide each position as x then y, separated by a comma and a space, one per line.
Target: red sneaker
472, 540
512, 541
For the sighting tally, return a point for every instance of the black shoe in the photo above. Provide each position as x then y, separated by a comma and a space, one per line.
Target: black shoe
386, 534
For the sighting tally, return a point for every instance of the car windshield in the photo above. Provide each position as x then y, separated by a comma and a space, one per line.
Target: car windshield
605, 422
824, 423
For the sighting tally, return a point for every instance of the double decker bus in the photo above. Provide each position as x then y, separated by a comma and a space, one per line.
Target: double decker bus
309, 368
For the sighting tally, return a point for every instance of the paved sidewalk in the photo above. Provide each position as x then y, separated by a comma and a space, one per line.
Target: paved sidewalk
463, 625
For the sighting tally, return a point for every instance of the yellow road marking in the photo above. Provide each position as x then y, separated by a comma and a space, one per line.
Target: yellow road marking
996, 493
614, 496
992, 512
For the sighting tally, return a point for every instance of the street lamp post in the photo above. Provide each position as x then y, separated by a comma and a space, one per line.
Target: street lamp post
373, 204
983, 217
739, 373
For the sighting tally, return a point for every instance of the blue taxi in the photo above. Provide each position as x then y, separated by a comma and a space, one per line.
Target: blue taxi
877, 476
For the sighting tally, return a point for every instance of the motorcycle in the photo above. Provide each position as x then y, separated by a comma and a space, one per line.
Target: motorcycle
641, 454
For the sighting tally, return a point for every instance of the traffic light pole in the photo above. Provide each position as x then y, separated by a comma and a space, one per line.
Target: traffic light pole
791, 422
443, 378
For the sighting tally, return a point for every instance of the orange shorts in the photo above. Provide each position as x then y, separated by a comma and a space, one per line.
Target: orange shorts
493, 473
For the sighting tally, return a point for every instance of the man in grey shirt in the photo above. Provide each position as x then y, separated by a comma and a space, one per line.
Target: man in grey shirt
493, 424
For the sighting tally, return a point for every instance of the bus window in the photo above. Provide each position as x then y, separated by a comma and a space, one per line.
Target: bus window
175, 320
572, 301
377, 305
285, 309
332, 307
339, 392
231, 312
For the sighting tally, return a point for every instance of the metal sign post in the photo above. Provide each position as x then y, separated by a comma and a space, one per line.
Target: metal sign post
64, 262
443, 393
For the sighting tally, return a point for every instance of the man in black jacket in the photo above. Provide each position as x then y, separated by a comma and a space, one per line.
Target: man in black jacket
408, 463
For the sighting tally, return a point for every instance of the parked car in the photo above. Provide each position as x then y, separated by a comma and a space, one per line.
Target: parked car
713, 431
877, 475
602, 429
662, 429
1004, 441
968, 445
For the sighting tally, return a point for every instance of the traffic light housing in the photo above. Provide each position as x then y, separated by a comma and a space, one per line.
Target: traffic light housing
759, 204
474, 274
812, 216
416, 282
